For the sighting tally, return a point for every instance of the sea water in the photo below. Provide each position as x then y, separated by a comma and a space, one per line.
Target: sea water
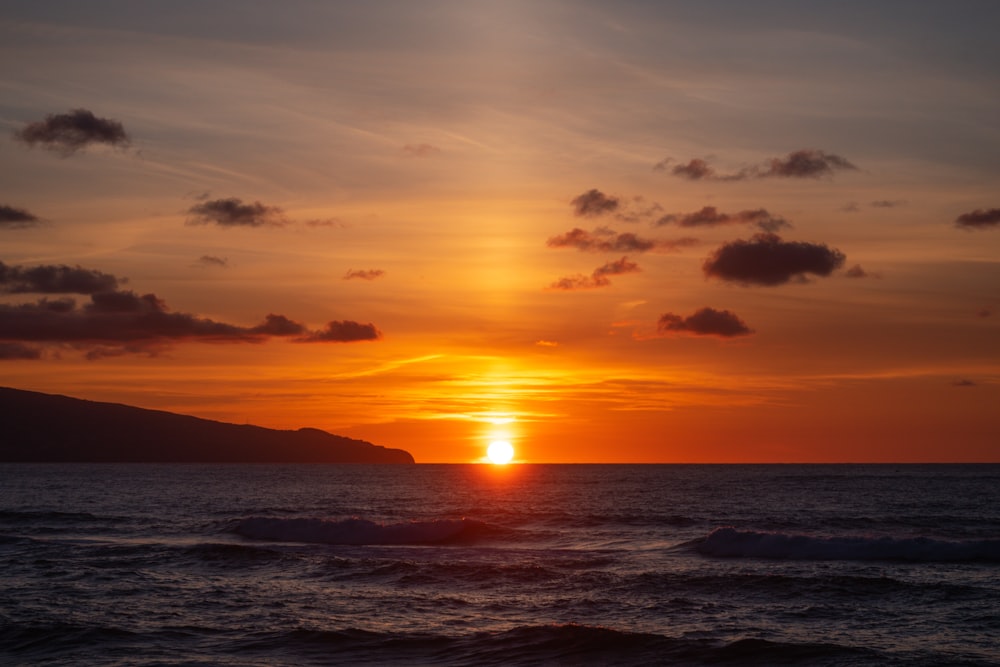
499, 565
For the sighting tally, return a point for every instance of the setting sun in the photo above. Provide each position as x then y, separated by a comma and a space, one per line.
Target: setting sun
500, 452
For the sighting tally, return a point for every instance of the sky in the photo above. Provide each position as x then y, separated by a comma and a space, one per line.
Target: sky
627, 231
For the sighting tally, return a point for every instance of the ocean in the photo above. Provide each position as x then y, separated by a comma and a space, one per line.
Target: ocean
147, 564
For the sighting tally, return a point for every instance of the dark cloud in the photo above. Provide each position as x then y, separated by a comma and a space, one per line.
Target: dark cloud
68, 133
979, 219
279, 325
55, 279
709, 216
857, 271
115, 322
232, 212
17, 351
111, 318
638, 210
345, 331
599, 277
420, 150
985, 312
603, 239
16, 218
887, 203
695, 170
364, 274
212, 260
704, 322
326, 222
767, 260
593, 203
963, 383
805, 163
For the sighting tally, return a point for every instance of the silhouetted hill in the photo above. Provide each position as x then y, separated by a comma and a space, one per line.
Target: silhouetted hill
47, 427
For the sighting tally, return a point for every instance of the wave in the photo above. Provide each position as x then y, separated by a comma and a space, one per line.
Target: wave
364, 532
733, 543
545, 644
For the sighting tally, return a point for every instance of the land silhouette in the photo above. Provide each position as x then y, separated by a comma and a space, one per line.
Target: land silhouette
37, 427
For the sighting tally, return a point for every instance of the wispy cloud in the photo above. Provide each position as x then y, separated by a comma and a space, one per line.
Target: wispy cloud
420, 150
804, 163
767, 260
67, 133
213, 261
710, 216
364, 274
600, 277
12, 217
604, 239
704, 322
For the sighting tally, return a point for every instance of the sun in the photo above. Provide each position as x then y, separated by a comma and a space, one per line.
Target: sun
500, 452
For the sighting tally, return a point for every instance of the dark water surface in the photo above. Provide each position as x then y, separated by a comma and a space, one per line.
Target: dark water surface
519, 565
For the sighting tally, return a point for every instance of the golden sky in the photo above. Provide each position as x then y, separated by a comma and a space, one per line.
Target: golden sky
604, 231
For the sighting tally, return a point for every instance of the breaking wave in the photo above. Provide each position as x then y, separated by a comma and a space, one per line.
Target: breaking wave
733, 543
363, 532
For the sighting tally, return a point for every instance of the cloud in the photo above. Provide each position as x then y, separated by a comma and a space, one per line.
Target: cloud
704, 322
546, 343
16, 218
593, 203
979, 219
212, 260
694, 170
804, 163
232, 212
603, 239
17, 351
279, 325
598, 278
420, 150
55, 279
709, 216
963, 383
345, 331
68, 133
767, 260
115, 322
364, 274
326, 222
887, 203
857, 271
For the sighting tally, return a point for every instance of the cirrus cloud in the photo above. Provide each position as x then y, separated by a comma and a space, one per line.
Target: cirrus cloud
604, 239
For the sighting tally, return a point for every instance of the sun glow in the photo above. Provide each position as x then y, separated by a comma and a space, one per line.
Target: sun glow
500, 452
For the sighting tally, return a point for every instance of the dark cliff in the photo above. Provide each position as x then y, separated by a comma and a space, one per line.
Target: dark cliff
46, 427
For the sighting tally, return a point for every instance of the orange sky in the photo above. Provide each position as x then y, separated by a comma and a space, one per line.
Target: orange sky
604, 231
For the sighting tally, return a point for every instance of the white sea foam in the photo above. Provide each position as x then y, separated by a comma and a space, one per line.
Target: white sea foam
733, 543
